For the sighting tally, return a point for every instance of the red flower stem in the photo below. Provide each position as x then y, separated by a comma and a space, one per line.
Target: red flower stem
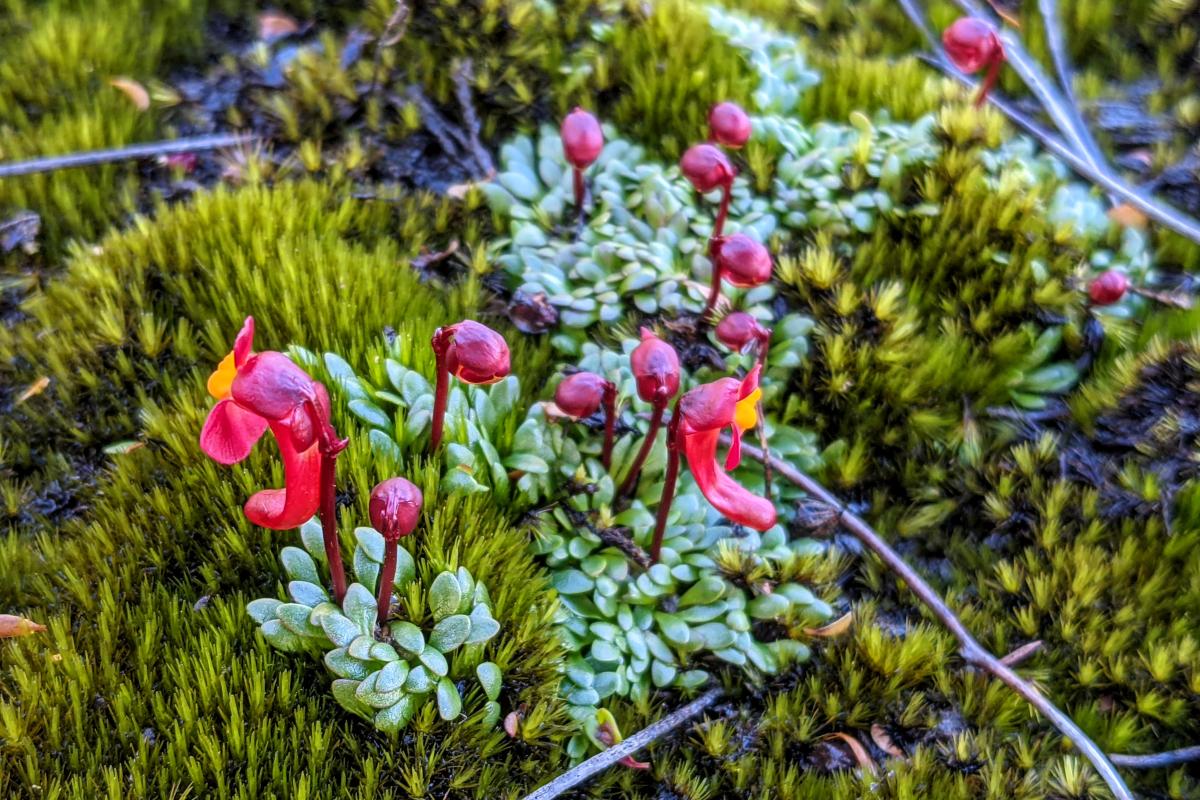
630, 482
610, 424
764, 344
714, 247
387, 576
668, 495
989, 81
333, 548
579, 189
722, 212
439, 402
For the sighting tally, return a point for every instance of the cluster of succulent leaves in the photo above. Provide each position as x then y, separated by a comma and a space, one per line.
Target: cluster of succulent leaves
384, 680
489, 447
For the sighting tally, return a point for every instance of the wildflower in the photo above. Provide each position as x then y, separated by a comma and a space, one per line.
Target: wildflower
707, 168
740, 260
471, 352
257, 391
581, 395
972, 44
729, 125
739, 330
700, 417
395, 509
1108, 288
655, 367
582, 142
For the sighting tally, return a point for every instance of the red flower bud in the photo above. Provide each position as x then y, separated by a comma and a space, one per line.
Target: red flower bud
1108, 288
395, 508
474, 353
582, 138
972, 44
581, 394
656, 367
729, 124
707, 167
739, 330
743, 261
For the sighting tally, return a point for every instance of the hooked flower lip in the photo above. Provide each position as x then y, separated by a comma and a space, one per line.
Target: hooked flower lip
474, 352
706, 411
257, 391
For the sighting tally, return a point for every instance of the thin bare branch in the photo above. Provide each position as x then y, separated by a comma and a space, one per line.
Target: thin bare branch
91, 158
972, 652
598, 763
1170, 758
463, 75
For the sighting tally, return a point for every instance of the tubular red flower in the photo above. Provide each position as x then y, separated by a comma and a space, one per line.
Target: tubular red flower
582, 139
1108, 288
739, 330
705, 411
655, 366
972, 44
743, 261
707, 167
729, 125
257, 391
395, 508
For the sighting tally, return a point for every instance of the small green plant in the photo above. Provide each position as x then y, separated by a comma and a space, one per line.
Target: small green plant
385, 669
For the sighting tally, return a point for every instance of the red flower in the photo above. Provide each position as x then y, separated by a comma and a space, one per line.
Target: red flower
474, 353
707, 168
655, 366
972, 44
256, 391
739, 330
395, 508
1108, 288
743, 261
582, 138
705, 411
729, 125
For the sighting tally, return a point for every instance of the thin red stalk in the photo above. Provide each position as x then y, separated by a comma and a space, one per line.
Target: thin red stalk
668, 495
989, 81
610, 424
333, 548
714, 248
439, 402
764, 344
630, 482
579, 190
387, 576
722, 212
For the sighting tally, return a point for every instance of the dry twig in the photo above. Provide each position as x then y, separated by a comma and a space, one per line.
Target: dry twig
149, 150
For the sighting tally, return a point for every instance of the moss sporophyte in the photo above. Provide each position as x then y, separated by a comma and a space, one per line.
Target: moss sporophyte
471, 352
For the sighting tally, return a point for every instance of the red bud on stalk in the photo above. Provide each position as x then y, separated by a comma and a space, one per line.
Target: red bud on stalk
471, 352
581, 395
739, 330
729, 125
395, 509
582, 142
742, 261
972, 44
707, 167
1108, 288
655, 366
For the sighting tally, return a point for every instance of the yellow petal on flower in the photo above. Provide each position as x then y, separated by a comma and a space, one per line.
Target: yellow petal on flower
745, 415
222, 378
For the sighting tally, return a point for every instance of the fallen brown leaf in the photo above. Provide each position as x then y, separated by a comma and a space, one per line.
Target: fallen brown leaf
1127, 216
12, 626
835, 628
860, 753
133, 90
884, 741
274, 25
33, 390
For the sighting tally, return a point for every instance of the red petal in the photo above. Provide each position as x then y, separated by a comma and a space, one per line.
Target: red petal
733, 459
243, 345
628, 761
230, 432
725, 494
298, 500
272, 385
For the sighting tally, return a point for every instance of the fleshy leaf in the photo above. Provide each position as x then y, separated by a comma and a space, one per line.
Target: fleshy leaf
490, 679
444, 596
448, 700
451, 632
359, 607
299, 565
